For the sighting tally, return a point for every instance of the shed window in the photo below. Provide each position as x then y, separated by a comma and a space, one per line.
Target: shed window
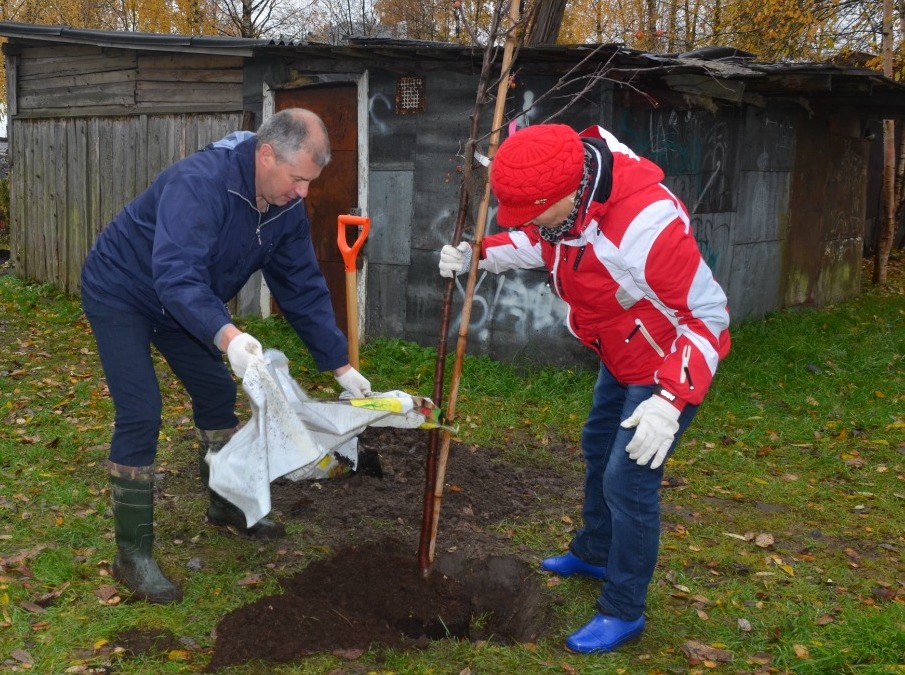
410, 95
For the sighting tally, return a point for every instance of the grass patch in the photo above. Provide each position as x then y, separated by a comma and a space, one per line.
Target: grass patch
782, 546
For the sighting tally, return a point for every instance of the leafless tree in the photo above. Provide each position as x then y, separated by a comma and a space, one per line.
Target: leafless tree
331, 21
261, 18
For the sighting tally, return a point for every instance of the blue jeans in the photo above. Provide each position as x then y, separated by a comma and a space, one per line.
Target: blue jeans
124, 342
621, 513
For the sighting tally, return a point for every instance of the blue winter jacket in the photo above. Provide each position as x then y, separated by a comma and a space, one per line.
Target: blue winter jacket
188, 243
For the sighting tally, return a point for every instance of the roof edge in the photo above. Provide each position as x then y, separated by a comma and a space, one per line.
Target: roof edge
131, 40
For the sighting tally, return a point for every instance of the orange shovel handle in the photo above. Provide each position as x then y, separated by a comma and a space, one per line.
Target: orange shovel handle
350, 253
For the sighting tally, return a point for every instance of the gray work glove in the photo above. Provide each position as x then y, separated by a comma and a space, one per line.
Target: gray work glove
657, 421
354, 384
455, 259
241, 350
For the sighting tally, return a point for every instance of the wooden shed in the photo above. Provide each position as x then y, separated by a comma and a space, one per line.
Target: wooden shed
771, 159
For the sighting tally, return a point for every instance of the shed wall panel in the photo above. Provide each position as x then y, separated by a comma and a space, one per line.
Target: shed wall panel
34, 70
841, 270
65, 83
754, 283
391, 197
385, 311
391, 137
55, 82
79, 213
70, 176
110, 94
763, 207
827, 209
769, 140
436, 156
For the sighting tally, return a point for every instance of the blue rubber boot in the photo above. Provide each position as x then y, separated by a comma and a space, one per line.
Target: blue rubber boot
604, 633
567, 564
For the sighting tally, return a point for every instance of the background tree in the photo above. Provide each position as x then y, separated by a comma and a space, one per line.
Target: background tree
260, 18
420, 19
194, 17
331, 20
888, 212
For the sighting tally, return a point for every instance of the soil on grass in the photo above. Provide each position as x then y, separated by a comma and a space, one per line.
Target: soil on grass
368, 591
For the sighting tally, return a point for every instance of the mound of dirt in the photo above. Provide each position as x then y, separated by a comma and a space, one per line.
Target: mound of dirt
369, 591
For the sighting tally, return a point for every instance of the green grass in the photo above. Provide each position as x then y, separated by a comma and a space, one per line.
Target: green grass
783, 540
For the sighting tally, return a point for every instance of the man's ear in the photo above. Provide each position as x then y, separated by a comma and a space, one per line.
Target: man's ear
267, 153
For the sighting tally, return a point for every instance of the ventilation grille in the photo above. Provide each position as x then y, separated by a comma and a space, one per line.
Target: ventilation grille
410, 96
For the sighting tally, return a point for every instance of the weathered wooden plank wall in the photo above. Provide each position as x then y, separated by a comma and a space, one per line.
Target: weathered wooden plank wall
90, 128
70, 176
74, 81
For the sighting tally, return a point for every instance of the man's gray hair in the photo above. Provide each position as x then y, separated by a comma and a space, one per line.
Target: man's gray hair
290, 130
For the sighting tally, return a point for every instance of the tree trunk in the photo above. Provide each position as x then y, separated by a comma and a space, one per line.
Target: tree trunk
888, 224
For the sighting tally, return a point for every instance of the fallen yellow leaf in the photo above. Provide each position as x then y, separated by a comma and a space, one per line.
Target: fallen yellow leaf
801, 651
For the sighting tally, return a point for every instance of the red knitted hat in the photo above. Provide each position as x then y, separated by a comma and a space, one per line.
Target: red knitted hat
533, 169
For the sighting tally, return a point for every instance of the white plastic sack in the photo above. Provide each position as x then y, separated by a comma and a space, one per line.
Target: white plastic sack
292, 435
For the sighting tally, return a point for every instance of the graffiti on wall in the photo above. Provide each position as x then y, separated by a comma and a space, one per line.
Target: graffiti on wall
378, 105
712, 236
519, 304
716, 192
523, 307
694, 150
666, 143
782, 132
527, 115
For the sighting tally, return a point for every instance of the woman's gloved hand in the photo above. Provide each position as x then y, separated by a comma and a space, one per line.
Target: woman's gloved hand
455, 259
240, 351
657, 421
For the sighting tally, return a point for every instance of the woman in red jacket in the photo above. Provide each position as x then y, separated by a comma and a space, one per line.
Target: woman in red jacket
621, 254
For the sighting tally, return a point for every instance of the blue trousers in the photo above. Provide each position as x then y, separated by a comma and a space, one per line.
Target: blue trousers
124, 341
621, 512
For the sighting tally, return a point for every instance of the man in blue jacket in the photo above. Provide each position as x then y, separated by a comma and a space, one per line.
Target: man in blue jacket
160, 274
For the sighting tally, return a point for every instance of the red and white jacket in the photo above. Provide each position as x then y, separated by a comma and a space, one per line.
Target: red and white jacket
639, 293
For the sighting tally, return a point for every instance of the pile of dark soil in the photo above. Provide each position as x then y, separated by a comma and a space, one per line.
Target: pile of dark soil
368, 591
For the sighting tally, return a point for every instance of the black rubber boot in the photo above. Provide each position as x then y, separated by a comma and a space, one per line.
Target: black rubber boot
132, 489
220, 511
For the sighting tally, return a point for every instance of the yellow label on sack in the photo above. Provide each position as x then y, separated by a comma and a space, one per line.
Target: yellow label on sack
393, 405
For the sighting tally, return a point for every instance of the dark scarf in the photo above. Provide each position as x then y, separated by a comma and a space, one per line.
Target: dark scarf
554, 235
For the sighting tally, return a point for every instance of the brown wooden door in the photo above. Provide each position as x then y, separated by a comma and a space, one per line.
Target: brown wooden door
335, 192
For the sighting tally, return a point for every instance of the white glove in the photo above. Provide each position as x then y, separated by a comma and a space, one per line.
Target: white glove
354, 383
455, 259
657, 421
240, 350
